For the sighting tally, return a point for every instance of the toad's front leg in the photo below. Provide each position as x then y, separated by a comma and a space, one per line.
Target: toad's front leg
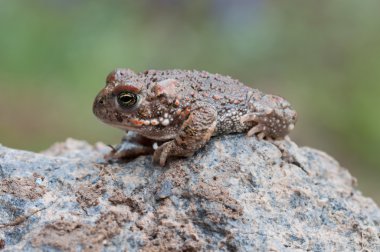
132, 145
194, 133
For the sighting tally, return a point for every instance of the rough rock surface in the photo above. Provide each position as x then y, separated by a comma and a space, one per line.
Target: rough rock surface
236, 194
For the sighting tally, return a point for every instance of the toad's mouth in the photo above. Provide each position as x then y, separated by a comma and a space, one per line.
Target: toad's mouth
125, 126
149, 128
150, 122
128, 123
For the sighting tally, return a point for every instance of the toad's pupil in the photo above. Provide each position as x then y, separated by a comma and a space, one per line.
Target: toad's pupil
126, 99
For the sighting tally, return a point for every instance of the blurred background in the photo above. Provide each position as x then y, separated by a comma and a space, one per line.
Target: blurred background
323, 56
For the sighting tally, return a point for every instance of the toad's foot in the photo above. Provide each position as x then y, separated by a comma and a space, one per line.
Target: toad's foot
269, 124
132, 145
195, 132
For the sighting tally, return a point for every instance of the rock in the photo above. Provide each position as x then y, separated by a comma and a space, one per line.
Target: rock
236, 194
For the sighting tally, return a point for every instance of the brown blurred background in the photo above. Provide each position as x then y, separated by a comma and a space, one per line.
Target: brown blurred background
323, 56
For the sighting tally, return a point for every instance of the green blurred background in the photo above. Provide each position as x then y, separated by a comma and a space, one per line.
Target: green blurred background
323, 56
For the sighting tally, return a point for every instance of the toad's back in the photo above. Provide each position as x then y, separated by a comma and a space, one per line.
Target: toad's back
199, 85
228, 96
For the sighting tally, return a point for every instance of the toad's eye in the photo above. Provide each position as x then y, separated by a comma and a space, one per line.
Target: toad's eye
126, 99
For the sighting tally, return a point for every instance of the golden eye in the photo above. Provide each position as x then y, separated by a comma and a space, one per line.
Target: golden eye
126, 99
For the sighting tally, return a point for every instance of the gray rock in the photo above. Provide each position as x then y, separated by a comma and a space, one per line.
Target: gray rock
236, 194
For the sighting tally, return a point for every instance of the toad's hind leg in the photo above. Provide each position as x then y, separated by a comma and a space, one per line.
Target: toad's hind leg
270, 123
195, 132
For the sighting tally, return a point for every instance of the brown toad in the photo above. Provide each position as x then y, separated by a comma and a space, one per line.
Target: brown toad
183, 109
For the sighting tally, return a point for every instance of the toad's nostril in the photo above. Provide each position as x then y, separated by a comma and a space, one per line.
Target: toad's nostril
295, 117
101, 101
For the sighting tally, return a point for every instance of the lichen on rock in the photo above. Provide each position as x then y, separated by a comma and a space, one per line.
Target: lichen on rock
236, 194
